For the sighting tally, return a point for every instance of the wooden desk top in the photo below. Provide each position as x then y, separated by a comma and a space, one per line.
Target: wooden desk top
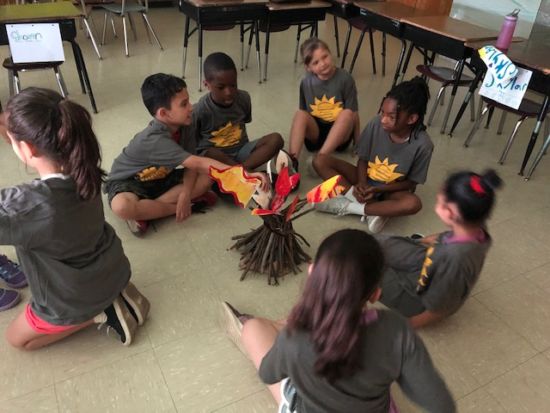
394, 11
453, 28
38, 12
313, 4
218, 3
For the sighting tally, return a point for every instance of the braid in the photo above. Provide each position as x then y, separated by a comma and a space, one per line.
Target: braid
412, 96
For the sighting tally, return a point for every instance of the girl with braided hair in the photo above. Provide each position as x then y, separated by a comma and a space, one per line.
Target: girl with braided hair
394, 155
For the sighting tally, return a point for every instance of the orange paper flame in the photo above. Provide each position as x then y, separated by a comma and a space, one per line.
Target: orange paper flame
235, 181
326, 190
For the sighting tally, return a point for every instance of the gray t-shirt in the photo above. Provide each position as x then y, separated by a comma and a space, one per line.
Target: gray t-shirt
452, 269
222, 127
73, 260
153, 152
325, 99
390, 351
389, 161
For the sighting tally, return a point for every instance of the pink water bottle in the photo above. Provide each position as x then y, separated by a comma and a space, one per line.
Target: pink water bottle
507, 30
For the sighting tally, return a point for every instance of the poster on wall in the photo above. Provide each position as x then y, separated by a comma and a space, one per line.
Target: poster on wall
37, 42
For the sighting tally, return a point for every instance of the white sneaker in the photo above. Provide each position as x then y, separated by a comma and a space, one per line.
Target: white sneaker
337, 206
376, 223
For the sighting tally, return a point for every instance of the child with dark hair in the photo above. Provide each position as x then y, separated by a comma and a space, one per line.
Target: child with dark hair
13, 277
220, 119
394, 155
333, 353
76, 267
327, 119
430, 278
158, 174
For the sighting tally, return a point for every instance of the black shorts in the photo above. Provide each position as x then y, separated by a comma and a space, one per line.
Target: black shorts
144, 190
324, 129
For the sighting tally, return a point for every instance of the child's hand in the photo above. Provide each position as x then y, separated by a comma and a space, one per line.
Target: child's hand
362, 192
183, 207
264, 185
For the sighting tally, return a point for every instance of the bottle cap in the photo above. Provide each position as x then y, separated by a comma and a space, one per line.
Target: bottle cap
514, 13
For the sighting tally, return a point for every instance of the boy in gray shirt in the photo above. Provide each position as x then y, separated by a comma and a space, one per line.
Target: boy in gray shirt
158, 173
220, 119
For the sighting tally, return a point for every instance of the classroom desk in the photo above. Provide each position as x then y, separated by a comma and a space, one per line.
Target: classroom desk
211, 14
534, 55
445, 36
62, 12
307, 13
387, 18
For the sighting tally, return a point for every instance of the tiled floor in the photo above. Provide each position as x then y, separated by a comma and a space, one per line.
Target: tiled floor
494, 354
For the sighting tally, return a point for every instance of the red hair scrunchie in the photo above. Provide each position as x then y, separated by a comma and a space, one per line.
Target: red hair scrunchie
475, 184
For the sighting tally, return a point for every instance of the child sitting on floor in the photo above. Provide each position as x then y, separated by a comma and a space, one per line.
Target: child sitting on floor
333, 353
430, 278
77, 270
158, 173
394, 155
220, 119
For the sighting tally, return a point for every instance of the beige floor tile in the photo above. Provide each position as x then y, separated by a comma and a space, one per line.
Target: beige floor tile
261, 402
540, 277
479, 401
205, 371
474, 347
40, 401
134, 384
513, 303
525, 388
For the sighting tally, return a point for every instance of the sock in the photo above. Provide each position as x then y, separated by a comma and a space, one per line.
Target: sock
356, 208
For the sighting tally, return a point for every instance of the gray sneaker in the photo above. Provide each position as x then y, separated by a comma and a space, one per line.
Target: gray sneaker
337, 206
376, 223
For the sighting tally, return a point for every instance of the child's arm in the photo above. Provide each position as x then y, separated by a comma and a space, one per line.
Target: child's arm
202, 164
183, 206
404, 185
425, 318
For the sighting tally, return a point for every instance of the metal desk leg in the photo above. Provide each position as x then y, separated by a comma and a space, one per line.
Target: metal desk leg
256, 28
346, 46
535, 134
200, 57
336, 35
538, 158
406, 63
79, 58
458, 75
467, 97
399, 62
185, 44
266, 52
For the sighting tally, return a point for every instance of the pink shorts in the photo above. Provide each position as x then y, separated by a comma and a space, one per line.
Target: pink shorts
41, 326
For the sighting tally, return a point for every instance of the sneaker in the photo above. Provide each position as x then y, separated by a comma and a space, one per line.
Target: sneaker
337, 206
118, 317
11, 273
208, 199
233, 322
8, 299
284, 159
310, 169
376, 223
137, 303
417, 236
137, 227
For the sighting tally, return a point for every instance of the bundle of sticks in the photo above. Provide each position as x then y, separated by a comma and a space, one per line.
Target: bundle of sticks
274, 248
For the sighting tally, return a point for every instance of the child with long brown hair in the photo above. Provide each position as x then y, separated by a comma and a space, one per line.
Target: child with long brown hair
75, 265
334, 354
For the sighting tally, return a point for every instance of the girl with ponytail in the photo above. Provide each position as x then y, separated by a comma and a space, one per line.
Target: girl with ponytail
333, 353
430, 278
75, 265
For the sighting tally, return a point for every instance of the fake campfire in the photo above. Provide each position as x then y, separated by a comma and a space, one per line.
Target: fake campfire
274, 248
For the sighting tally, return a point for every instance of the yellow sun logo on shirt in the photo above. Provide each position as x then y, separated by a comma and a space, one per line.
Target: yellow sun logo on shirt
227, 135
382, 171
423, 279
326, 109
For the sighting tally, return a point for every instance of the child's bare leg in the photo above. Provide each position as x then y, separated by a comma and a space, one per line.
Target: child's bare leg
220, 156
266, 148
303, 127
202, 184
327, 166
127, 205
20, 335
396, 204
258, 337
340, 131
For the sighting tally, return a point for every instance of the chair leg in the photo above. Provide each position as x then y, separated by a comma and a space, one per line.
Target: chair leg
241, 38
501, 122
546, 131
372, 55
346, 47
336, 35
434, 107
92, 37
491, 111
383, 53
250, 37
357, 48
104, 28
61, 82
475, 127
298, 34
146, 30
113, 26
125, 36
472, 108
11, 82
442, 102
152, 31
538, 158
511, 140
16, 82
